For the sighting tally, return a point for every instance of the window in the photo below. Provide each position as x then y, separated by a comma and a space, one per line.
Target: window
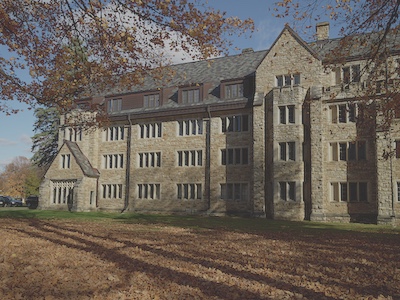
115, 133
113, 161
149, 159
343, 113
152, 130
62, 191
396, 111
190, 158
152, 100
286, 114
349, 191
114, 105
235, 156
287, 80
351, 74
287, 151
397, 145
398, 67
234, 91
348, 151
112, 191
380, 87
191, 96
346, 75
398, 191
148, 191
356, 74
73, 134
234, 191
65, 161
235, 123
189, 191
190, 127
287, 190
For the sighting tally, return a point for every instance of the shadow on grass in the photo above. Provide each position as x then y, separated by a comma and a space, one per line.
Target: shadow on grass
196, 222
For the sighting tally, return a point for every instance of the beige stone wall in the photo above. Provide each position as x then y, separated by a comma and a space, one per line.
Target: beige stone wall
115, 176
221, 174
286, 56
84, 189
170, 174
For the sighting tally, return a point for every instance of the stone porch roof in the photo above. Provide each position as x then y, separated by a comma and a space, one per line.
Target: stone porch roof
82, 160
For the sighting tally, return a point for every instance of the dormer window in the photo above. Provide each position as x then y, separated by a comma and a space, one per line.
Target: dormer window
114, 105
151, 100
191, 96
233, 91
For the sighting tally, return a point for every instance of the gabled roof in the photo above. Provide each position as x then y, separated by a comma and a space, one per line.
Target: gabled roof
304, 44
82, 160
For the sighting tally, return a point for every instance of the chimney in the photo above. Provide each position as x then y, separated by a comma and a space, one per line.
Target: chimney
247, 50
322, 31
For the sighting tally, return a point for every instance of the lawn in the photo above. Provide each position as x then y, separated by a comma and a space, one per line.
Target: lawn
62, 255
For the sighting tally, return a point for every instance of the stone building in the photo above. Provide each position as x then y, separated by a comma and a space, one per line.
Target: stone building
257, 134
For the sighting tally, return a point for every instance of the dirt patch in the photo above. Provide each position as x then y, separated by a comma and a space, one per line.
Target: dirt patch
55, 259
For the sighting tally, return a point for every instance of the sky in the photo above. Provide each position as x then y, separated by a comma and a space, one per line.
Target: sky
16, 130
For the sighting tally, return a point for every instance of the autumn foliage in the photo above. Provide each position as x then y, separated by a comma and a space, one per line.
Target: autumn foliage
20, 178
57, 50
60, 259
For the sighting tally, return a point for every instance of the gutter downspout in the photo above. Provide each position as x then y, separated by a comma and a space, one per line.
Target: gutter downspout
208, 159
128, 164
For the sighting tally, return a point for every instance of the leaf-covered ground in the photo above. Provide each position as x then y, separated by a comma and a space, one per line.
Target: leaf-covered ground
70, 259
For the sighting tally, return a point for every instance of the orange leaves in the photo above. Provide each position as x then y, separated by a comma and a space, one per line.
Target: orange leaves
60, 259
117, 37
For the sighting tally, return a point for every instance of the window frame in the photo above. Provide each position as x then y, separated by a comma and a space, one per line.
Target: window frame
150, 130
151, 100
229, 191
287, 191
234, 156
287, 151
287, 80
349, 191
148, 191
235, 123
114, 105
348, 150
233, 90
194, 94
65, 162
190, 127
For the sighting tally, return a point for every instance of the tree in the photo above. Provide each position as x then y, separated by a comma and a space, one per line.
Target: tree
45, 141
116, 43
20, 178
372, 26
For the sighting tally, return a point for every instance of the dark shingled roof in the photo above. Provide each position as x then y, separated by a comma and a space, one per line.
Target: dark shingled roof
358, 47
212, 70
82, 160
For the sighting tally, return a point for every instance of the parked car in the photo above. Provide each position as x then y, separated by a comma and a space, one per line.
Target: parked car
15, 202
10, 201
32, 202
2, 201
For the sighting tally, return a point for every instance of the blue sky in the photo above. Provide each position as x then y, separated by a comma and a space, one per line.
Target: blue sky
16, 130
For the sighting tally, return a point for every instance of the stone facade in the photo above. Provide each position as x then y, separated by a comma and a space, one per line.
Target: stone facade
254, 134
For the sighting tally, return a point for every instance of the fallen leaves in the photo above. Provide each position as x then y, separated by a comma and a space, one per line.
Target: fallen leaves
57, 259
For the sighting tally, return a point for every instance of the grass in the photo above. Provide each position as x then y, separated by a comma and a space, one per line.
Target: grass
251, 225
